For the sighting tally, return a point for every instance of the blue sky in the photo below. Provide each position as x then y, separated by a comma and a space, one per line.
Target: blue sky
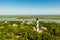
29, 7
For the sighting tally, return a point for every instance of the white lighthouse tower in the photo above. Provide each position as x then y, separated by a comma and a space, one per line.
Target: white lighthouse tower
37, 24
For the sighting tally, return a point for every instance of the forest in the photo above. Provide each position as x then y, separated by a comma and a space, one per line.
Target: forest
25, 30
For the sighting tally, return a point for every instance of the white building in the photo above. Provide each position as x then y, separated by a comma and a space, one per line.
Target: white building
14, 25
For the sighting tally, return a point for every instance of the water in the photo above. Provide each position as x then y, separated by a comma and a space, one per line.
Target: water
15, 19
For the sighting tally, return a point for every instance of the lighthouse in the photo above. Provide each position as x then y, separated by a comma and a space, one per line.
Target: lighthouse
37, 24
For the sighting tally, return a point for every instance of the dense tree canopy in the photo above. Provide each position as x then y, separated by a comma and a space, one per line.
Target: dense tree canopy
24, 31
